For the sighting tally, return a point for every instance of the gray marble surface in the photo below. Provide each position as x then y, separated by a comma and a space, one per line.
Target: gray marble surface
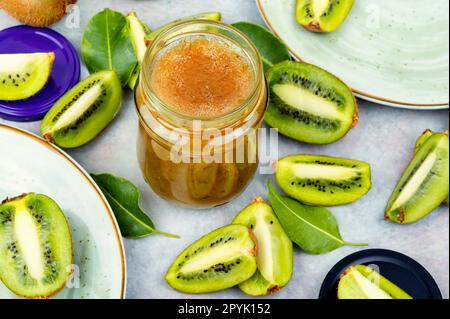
384, 137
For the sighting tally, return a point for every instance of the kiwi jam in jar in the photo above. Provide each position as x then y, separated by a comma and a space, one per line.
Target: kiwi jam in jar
200, 100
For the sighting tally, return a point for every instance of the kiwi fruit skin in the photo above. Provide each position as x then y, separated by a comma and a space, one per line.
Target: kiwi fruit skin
326, 109
420, 141
329, 16
323, 180
275, 249
54, 239
37, 13
32, 73
258, 286
362, 282
214, 16
222, 259
425, 179
139, 30
83, 112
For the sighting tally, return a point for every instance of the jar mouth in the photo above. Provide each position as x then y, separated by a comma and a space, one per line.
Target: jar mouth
198, 28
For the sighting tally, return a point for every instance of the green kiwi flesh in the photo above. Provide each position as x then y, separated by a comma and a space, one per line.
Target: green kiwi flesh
214, 16
24, 75
420, 141
309, 104
35, 246
138, 31
222, 259
323, 180
258, 286
275, 251
83, 112
424, 183
322, 15
362, 282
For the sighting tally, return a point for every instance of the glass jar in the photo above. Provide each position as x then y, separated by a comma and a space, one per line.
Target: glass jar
199, 161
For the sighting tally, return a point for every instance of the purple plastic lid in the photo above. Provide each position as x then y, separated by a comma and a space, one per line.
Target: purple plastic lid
65, 73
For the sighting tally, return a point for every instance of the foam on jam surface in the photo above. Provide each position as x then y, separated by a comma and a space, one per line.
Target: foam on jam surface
202, 78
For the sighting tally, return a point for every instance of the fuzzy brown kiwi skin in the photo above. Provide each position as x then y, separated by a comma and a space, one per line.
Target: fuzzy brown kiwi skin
314, 27
7, 200
356, 114
255, 250
36, 12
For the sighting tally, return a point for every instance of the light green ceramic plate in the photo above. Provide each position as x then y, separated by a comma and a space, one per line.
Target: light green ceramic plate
390, 52
29, 164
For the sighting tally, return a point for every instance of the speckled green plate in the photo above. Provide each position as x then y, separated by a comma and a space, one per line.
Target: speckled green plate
390, 52
29, 164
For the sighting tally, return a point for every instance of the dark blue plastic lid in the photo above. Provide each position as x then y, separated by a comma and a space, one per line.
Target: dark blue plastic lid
65, 73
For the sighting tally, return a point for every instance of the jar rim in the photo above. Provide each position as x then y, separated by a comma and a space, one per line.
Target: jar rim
173, 32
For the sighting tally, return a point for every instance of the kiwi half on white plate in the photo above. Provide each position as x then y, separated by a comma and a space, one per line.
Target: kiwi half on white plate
35, 246
322, 15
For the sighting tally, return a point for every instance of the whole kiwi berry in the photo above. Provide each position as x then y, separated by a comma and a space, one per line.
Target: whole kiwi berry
37, 13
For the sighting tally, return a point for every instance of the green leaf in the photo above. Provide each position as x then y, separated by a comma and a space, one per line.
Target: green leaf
123, 197
107, 45
271, 48
313, 229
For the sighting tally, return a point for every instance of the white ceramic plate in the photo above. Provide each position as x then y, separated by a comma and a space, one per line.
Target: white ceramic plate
29, 164
391, 52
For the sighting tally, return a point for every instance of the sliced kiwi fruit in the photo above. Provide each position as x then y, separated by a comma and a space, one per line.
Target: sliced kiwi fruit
424, 184
309, 104
201, 179
37, 13
222, 259
138, 31
362, 282
226, 181
35, 246
323, 180
215, 16
83, 112
24, 75
420, 141
322, 15
275, 251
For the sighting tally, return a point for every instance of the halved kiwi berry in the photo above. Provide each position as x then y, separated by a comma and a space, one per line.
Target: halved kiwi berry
322, 15
275, 251
220, 260
323, 180
83, 112
424, 184
419, 143
37, 13
309, 104
24, 75
138, 31
362, 282
35, 246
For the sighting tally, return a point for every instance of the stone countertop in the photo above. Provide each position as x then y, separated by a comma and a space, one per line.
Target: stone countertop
385, 138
